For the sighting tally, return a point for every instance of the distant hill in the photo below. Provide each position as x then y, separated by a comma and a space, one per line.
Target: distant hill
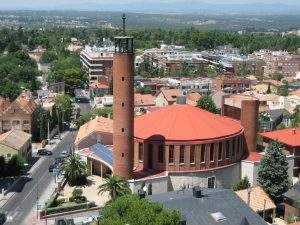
160, 6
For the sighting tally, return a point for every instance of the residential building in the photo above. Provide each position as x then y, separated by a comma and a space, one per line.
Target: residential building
98, 130
275, 117
290, 140
231, 85
259, 201
20, 115
15, 142
143, 102
75, 46
201, 86
208, 207
167, 97
105, 101
37, 53
98, 63
98, 89
278, 62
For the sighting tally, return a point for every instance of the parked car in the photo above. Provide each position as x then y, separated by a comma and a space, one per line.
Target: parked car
53, 166
44, 151
2, 218
89, 220
63, 154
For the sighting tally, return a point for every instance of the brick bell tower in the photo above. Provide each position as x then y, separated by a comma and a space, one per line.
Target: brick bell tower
123, 106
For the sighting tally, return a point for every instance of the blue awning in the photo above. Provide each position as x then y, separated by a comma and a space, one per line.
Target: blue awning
103, 153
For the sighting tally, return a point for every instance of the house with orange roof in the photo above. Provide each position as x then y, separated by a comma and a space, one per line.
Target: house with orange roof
290, 140
259, 202
167, 97
142, 102
15, 142
98, 89
19, 115
98, 130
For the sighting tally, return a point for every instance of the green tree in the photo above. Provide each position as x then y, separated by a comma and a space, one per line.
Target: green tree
2, 165
42, 116
49, 57
70, 71
116, 187
62, 110
74, 170
129, 209
15, 165
242, 184
273, 171
207, 104
143, 90
295, 117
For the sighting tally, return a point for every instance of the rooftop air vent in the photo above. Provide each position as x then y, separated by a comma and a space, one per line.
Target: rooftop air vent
197, 193
181, 100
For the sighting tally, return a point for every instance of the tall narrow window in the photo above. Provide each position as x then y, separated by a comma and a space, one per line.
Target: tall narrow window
202, 153
160, 153
181, 154
141, 152
227, 150
238, 145
220, 151
233, 148
171, 154
192, 154
211, 152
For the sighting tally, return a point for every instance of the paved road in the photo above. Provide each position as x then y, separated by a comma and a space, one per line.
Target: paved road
21, 204
84, 107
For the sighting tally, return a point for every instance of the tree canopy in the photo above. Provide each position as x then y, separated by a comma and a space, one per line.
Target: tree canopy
207, 104
130, 209
273, 171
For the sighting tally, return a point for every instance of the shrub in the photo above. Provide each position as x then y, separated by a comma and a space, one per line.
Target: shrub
69, 208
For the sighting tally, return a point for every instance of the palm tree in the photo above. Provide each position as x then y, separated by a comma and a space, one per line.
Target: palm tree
74, 170
116, 187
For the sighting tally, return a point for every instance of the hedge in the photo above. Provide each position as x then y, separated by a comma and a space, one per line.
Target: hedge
61, 209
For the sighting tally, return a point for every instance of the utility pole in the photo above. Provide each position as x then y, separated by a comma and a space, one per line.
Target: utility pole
57, 113
48, 131
37, 198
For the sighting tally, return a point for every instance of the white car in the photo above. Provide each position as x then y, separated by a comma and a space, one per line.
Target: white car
89, 220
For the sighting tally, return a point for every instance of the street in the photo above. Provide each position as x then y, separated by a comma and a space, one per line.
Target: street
28, 191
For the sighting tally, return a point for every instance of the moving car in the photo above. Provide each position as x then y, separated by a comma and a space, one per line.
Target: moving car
44, 151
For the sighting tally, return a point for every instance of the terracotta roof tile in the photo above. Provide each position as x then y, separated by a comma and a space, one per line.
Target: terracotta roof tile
288, 136
185, 123
171, 94
257, 199
99, 124
14, 138
143, 100
254, 157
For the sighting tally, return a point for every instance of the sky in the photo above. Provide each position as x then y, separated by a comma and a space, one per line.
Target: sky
131, 5
38, 2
